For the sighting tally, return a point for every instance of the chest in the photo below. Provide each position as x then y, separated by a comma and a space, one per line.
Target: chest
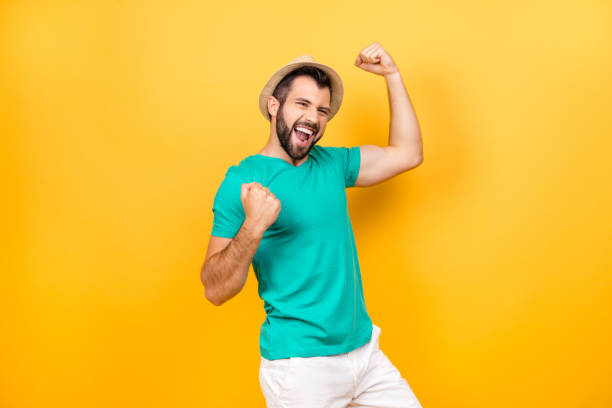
309, 203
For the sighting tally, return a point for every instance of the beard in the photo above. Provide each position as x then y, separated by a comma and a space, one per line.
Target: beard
284, 132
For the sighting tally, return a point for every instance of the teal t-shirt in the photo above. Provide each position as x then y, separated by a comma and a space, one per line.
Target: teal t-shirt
306, 264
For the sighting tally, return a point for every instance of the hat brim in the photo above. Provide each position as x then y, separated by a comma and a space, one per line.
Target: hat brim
337, 90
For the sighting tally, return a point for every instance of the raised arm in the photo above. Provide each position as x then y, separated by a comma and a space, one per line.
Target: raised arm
405, 149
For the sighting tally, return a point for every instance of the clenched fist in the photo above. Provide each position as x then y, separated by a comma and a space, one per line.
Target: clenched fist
261, 207
375, 59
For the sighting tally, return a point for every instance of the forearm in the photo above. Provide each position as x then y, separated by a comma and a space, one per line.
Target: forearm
225, 273
404, 131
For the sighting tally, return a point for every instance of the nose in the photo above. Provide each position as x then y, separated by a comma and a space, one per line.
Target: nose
311, 115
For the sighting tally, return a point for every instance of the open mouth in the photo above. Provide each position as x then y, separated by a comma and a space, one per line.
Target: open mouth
303, 134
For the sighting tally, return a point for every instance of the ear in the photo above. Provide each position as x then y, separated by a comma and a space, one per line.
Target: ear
273, 105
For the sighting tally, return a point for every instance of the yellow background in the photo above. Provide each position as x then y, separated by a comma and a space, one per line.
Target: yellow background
487, 267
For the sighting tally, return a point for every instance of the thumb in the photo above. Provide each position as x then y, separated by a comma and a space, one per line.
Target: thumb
244, 190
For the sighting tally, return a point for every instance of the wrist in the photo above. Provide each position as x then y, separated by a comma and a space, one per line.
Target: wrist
253, 230
392, 74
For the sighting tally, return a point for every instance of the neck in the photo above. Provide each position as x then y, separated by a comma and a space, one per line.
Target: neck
273, 148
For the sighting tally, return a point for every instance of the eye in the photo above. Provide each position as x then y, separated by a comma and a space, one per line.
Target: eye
302, 103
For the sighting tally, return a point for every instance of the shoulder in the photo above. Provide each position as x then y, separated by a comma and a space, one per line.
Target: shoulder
231, 183
242, 171
337, 153
327, 151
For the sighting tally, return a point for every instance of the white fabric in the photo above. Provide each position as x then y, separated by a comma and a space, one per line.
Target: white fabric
364, 377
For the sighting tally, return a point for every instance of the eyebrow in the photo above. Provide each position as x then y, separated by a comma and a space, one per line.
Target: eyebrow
307, 101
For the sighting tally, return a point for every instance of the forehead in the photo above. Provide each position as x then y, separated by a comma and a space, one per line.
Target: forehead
306, 87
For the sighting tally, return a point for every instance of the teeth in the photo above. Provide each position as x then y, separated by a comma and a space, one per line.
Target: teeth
302, 129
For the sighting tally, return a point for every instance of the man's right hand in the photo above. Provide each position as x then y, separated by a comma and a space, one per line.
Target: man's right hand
261, 207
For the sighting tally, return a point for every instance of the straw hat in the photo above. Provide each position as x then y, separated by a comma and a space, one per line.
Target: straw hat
337, 91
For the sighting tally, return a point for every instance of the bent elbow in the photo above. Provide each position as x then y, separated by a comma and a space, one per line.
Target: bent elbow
210, 294
414, 162
211, 298
409, 165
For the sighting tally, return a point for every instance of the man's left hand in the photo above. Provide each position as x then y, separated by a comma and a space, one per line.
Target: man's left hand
375, 59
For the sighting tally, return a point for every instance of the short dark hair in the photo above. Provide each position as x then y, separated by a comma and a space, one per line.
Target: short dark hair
282, 89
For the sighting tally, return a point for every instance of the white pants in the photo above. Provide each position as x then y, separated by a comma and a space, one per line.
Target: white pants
364, 377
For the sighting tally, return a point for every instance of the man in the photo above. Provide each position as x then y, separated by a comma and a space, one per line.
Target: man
284, 211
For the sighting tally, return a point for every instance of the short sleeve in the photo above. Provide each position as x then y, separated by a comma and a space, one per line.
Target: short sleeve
353, 163
227, 207
349, 160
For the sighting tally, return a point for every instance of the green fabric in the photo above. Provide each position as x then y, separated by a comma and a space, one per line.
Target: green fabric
306, 263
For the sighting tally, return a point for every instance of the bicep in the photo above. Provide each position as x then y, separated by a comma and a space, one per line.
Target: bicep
379, 163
